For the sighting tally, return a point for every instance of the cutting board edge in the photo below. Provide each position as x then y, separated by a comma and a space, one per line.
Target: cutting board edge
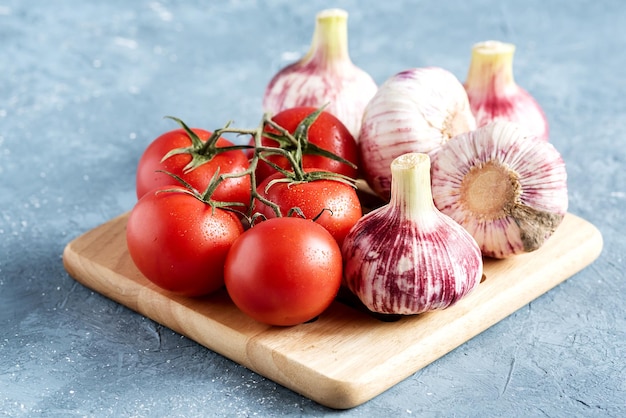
366, 391
338, 393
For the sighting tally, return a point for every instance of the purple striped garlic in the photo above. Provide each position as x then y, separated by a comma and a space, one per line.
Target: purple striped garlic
416, 110
324, 76
505, 186
494, 94
407, 257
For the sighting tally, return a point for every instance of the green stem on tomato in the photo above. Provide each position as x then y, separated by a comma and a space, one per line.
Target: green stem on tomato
203, 151
290, 146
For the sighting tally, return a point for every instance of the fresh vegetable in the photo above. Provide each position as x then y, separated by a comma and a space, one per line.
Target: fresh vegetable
195, 155
332, 203
283, 271
179, 240
323, 136
494, 94
507, 187
324, 76
416, 110
407, 257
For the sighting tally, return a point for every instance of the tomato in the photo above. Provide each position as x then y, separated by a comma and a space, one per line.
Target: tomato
333, 204
283, 271
179, 242
327, 132
231, 190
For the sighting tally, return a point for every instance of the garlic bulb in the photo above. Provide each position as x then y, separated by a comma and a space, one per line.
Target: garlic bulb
506, 187
493, 93
324, 76
416, 110
407, 257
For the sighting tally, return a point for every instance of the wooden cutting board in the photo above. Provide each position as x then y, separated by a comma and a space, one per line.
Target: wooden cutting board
347, 356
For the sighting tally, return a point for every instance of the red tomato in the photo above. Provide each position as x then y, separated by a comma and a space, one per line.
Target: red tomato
327, 132
231, 190
336, 205
179, 242
283, 271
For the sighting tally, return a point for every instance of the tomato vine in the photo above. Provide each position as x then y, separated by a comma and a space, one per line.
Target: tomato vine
291, 146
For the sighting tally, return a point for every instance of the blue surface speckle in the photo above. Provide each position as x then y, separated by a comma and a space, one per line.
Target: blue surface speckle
85, 87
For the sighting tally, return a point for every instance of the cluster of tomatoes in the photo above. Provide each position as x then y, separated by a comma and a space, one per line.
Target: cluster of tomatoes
266, 220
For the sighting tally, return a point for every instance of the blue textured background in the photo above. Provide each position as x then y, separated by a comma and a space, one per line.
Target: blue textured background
84, 87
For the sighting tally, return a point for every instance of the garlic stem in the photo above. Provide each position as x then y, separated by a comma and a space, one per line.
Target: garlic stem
330, 39
493, 93
324, 76
410, 190
491, 69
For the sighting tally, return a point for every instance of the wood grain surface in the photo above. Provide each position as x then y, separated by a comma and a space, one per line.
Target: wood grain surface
347, 356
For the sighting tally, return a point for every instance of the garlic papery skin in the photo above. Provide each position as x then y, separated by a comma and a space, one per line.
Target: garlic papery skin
507, 187
406, 257
324, 76
494, 94
416, 110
